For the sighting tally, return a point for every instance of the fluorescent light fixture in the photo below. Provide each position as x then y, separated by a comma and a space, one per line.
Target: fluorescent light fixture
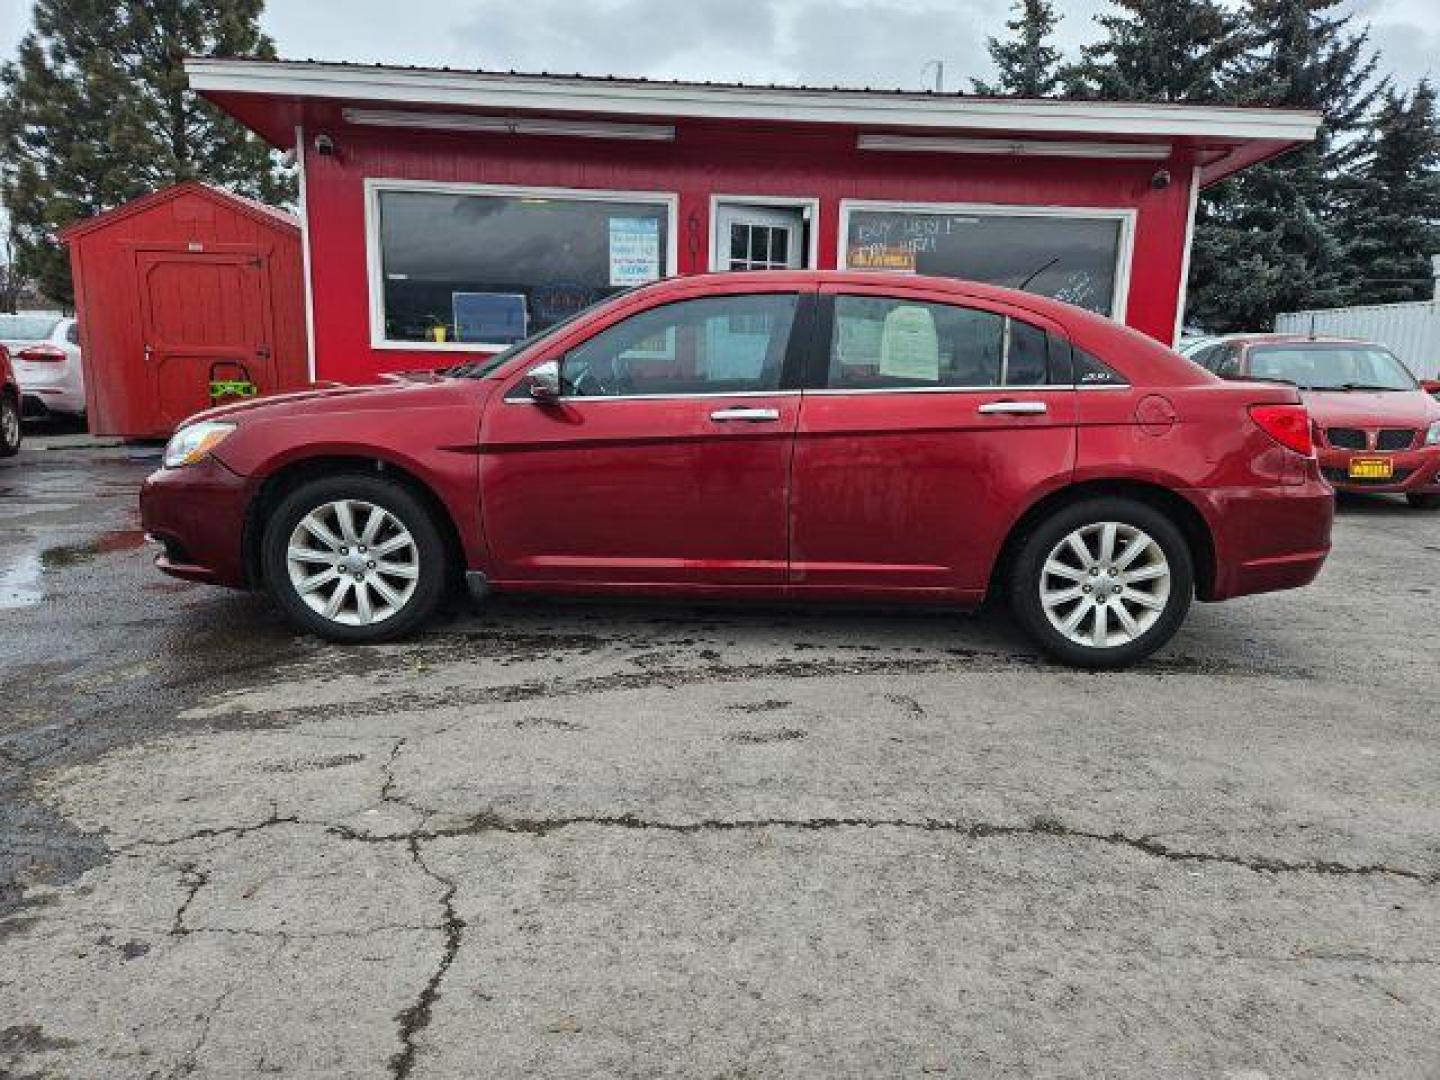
1015, 147
509, 125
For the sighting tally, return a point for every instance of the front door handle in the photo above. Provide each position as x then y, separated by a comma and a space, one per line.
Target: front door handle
1014, 408
746, 416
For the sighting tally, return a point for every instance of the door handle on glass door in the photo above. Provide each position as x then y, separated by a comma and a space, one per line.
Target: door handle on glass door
748, 416
1013, 408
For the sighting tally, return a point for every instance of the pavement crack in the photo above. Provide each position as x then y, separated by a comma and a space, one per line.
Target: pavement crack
210, 833
194, 879
416, 1018
491, 822
957, 661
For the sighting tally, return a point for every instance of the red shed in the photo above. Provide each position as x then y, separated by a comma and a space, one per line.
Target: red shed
452, 212
179, 290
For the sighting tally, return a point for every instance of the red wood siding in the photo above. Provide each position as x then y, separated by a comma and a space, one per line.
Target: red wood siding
122, 397
705, 159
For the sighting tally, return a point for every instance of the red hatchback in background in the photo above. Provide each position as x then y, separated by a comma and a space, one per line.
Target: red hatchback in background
777, 435
1376, 428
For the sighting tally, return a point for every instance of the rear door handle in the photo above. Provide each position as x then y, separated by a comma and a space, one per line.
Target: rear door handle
1014, 408
745, 416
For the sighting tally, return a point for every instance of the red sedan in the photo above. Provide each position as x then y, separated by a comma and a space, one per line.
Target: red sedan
1376, 428
781, 435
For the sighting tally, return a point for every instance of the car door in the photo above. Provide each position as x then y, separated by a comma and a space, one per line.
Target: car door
932, 424
665, 459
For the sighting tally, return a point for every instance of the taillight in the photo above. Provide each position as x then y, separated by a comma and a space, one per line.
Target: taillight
1289, 425
42, 354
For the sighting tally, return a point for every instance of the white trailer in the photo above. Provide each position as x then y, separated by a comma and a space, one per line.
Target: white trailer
1410, 331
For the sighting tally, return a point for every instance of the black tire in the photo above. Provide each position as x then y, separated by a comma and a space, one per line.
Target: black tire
10, 431
1423, 502
1027, 577
408, 510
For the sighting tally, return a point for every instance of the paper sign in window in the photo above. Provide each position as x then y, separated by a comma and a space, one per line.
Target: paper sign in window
634, 251
909, 345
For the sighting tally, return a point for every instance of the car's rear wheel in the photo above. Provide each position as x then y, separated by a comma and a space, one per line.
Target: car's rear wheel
355, 558
1423, 502
1103, 583
10, 434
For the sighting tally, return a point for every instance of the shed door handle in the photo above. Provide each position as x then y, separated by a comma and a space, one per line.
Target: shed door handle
748, 416
1014, 408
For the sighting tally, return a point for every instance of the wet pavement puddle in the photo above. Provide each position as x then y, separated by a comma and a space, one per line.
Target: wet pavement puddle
20, 582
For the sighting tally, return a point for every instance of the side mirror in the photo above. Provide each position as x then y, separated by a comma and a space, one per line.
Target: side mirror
543, 383
1431, 386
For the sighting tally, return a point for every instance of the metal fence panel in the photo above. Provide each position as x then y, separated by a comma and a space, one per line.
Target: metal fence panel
1410, 331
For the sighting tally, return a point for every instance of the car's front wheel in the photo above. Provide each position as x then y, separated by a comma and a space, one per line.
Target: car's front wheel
10, 435
1103, 583
355, 558
1423, 502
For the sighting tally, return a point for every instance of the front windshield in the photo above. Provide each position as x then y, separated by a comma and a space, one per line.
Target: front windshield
27, 327
1317, 366
479, 369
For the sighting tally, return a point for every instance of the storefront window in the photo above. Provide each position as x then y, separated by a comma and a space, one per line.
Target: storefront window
490, 269
1072, 258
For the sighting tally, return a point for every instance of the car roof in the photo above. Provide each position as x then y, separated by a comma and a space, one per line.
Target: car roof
1296, 339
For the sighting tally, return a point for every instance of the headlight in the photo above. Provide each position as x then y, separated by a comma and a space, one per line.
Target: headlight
1432, 436
191, 444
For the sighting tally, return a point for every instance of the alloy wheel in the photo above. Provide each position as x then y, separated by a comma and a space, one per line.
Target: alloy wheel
1105, 584
353, 562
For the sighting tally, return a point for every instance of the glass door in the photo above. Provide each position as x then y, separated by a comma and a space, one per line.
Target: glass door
756, 237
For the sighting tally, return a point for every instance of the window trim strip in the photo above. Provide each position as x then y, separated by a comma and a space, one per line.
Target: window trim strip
1030, 389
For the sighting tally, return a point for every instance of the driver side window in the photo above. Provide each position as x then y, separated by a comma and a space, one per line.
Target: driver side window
713, 345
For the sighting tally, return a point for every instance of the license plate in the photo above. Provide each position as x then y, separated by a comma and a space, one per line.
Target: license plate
1371, 468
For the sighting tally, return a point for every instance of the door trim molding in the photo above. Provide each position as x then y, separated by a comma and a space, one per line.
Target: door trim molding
794, 202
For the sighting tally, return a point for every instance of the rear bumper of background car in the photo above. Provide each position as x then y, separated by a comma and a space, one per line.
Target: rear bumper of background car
1416, 471
197, 514
1266, 538
45, 400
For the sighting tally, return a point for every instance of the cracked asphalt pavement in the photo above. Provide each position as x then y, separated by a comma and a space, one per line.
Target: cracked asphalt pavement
570, 839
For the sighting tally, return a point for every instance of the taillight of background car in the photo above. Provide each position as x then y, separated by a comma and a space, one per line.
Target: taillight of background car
41, 354
1289, 425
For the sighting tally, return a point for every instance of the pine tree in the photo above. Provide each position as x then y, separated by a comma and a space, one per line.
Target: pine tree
95, 110
1392, 204
1267, 241
1158, 50
1028, 64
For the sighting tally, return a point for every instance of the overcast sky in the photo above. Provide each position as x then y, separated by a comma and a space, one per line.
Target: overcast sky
853, 42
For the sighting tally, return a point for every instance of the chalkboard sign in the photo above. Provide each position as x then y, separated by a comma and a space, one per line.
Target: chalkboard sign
1073, 259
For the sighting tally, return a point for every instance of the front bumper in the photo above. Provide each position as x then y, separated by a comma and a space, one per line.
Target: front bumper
1416, 471
198, 514
1267, 538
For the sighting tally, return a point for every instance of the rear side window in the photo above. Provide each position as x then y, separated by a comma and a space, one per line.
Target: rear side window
1090, 371
72, 334
890, 343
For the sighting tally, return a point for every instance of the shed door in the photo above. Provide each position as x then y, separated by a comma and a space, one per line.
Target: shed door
206, 317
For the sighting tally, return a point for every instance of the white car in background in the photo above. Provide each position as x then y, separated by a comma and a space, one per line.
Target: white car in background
45, 352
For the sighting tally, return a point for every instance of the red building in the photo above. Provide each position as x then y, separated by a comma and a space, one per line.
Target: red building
454, 212
181, 293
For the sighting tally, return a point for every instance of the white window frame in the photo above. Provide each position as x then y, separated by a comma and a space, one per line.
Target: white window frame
373, 255
1124, 256
718, 263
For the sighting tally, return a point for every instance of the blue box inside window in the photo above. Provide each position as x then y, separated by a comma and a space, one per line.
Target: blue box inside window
490, 318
